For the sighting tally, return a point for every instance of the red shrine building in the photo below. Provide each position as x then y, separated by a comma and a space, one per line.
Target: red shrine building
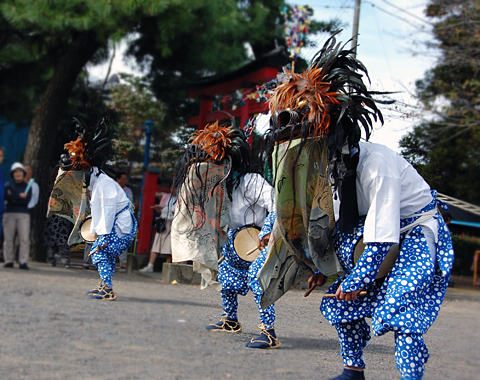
245, 79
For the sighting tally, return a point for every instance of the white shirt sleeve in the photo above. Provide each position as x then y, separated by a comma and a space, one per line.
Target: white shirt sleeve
388, 189
382, 223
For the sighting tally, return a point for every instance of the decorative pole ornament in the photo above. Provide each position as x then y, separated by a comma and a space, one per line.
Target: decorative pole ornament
297, 21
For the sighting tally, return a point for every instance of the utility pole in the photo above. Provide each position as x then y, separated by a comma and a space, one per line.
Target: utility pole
356, 20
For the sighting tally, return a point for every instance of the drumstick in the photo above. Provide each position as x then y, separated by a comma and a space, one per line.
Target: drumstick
310, 290
251, 251
362, 293
98, 249
221, 259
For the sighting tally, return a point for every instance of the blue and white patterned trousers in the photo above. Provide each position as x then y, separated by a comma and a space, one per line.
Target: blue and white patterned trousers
238, 277
115, 246
411, 353
407, 302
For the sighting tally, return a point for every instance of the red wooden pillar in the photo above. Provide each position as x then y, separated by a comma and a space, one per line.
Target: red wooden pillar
148, 200
205, 108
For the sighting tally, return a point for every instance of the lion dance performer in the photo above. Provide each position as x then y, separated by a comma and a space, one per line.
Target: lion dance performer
82, 186
382, 201
219, 196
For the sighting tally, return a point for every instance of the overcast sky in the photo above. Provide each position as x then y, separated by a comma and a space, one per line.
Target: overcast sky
389, 46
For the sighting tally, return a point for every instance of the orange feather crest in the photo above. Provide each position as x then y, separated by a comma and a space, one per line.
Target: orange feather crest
76, 149
213, 140
306, 92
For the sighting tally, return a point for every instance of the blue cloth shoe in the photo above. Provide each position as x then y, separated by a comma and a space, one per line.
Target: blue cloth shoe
225, 324
350, 374
104, 293
266, 339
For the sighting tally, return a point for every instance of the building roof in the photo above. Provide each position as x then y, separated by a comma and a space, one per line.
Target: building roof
246, 76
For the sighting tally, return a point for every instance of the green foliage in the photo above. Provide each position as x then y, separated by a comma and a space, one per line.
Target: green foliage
464, 248
82, 105
449, 162
35, 34
189, 42
134, 103
445, 148
56, 17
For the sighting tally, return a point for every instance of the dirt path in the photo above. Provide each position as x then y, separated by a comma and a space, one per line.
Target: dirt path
50, 330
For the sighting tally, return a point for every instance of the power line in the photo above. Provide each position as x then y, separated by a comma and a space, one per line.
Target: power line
393, 14
330, 7
408, 13
383, 45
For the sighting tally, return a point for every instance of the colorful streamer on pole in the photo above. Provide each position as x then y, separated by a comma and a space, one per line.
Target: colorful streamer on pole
251, 125
297, 21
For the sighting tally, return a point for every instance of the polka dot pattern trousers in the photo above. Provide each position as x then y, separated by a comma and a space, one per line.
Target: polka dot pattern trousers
411, 353
104, 259
238, 277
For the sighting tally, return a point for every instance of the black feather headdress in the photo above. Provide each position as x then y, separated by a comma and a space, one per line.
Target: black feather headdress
91, 148
330, 101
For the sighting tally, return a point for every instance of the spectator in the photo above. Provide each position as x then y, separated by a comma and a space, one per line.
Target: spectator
2, 196
162, 241
122, 180
35, 189
16, 218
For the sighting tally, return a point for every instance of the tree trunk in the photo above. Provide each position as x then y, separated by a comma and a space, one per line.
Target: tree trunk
45, 126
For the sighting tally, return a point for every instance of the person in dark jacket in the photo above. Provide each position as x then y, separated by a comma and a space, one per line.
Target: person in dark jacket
16, 217
2, 198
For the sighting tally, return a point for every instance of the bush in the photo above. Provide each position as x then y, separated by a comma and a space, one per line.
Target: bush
464, 247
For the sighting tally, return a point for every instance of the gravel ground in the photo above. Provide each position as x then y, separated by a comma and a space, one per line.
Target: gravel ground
51, 330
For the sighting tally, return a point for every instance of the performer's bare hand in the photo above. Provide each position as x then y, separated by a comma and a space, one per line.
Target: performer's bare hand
349, 296
318, 279
263, 242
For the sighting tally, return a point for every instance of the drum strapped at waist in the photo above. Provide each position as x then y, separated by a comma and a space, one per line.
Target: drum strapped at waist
85, 233
245, 241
